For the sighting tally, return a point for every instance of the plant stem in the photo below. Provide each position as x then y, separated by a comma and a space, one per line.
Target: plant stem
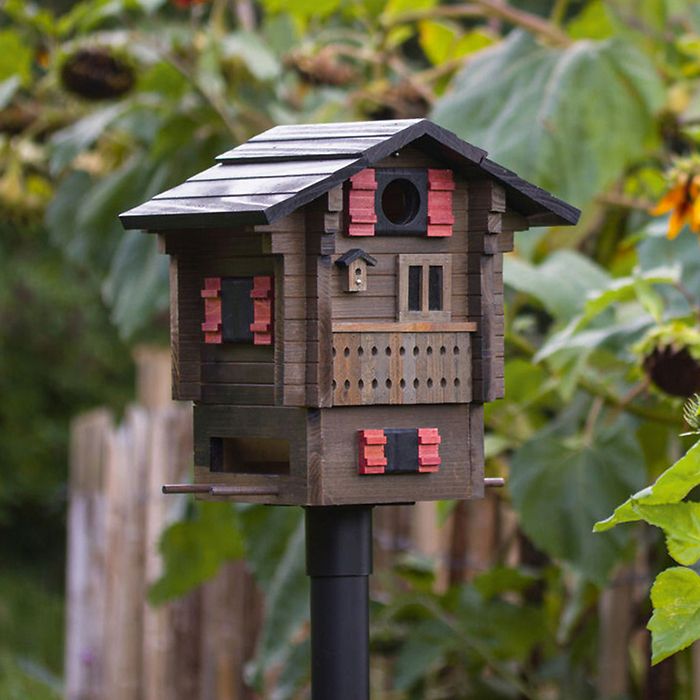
590, 386
489, 8
558, 13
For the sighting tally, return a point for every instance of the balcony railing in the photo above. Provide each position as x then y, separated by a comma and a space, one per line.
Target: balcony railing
401, 363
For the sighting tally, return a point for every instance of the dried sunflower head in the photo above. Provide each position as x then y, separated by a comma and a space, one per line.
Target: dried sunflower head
671, 358
96, 74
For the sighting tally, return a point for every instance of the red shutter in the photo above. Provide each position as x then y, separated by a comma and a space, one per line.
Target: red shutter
429, 449
361, 214
262, 296
440, 216
211, 293
371, 451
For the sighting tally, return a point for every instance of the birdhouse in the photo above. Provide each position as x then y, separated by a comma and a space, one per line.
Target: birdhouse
337, 310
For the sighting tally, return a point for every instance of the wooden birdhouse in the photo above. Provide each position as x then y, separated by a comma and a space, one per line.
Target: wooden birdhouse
337, 310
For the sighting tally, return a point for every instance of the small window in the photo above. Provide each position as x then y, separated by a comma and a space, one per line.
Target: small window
415, 287
238, 309
435, 277
424, 287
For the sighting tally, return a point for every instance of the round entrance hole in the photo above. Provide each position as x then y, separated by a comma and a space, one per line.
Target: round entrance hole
400, 201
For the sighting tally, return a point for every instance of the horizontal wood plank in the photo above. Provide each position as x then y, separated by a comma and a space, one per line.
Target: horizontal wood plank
406, 327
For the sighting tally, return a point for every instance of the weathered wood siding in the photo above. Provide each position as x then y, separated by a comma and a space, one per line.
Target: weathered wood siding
231, 373
379, 302
491, 228
460, 475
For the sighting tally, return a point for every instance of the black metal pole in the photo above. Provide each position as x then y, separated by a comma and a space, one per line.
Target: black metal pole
339, 562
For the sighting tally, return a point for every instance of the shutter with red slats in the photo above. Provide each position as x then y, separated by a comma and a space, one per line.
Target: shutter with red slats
429, 449
361, 214
262, 296
371, 451
440, 215
211, 293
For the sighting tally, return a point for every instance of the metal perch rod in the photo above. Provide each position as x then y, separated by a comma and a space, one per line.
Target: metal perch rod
216, 490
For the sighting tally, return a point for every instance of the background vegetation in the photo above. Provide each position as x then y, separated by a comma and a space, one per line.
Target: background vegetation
104, 103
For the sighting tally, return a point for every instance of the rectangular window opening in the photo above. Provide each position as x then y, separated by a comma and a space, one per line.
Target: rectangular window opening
256, 455
435, 288
415, 287
237, 309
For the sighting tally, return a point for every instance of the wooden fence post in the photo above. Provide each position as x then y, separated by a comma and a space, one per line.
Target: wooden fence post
85, 573
125, 484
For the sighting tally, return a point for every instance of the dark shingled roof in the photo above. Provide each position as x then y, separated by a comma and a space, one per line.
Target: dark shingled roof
286, 167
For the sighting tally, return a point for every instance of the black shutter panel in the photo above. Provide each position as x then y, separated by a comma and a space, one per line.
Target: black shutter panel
237, 309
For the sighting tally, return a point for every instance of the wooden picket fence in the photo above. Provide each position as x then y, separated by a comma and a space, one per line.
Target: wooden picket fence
118, 647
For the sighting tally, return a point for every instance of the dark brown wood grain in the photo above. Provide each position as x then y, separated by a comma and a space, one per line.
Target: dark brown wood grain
343, 484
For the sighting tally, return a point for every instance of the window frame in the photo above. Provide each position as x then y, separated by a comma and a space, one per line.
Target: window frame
424, 261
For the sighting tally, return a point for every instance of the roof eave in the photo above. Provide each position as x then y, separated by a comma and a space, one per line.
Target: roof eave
194, 220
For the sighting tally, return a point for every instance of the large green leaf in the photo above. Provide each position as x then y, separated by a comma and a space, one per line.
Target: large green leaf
560, 486
571, 119
675, 623
137, 284
275, 550
623, 289
671, 487
681, 525
560, 283
194, 550
424, 648
595, 302
15, 56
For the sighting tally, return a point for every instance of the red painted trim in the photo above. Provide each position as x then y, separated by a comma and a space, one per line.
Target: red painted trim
262, 295
361, 214
371, 451
429, 450
211, 293
440, 214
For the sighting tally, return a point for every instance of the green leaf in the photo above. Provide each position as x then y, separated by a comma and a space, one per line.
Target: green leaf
502, 579
570, 119
626, 288
79, 136
681, 525
303, 9
395, 8
593, 22
15, 57
194, 550
8, 88
671, 487
436, 39
675, 623
275, 549
137, 284
615, 336
508, 630
560, 486
560, 283
250, 49
423, 649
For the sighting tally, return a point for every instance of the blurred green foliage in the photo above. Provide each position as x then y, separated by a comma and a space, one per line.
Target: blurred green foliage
31, 631
104, 103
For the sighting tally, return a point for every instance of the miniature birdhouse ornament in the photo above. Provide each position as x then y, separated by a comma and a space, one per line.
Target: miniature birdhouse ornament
355, 261
337, 310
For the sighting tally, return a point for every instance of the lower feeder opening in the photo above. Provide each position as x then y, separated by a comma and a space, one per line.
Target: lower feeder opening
249, 455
